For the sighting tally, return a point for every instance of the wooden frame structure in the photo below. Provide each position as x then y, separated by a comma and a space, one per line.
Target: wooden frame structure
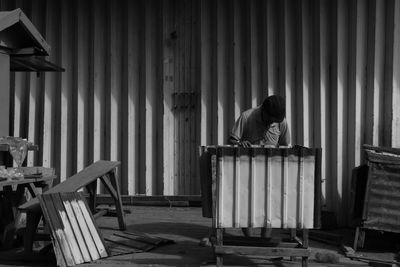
87, 178
259, 173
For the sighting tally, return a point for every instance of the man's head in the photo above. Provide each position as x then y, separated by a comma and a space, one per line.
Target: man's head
273, 109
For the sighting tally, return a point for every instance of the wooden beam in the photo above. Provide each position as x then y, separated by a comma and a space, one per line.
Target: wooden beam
265, 251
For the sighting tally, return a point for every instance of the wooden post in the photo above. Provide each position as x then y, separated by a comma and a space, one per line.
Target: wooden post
4, 94
220, 237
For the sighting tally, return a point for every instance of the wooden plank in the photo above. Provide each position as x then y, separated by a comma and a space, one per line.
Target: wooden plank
68, 229
300, 201
268, 197
285, 189
147, 238
100, 214
107, 184
136, 242
75, 226
94, 231
61, 247
136, 246
77, 181
265, 251
237, 189
91, 245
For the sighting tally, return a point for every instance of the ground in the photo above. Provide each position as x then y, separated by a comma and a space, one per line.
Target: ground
186, 226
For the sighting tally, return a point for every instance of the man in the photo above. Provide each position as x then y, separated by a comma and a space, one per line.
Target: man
264, 125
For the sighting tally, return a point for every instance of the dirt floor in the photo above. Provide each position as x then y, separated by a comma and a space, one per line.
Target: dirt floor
186, 227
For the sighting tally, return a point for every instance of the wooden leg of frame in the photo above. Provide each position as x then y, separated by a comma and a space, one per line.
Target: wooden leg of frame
220, 242
304, 260
32, 221
292, 238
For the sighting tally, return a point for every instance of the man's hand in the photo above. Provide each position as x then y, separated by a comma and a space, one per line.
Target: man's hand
245, 143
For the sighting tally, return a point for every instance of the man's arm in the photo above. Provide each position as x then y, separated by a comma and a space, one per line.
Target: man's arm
284, 138
235, 137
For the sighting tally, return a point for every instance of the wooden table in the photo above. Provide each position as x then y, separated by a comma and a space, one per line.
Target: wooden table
11, 196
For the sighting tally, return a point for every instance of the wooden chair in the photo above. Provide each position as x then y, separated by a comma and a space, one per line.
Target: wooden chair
87, 178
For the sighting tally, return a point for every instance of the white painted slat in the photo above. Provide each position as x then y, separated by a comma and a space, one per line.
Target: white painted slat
92, 227
237, 189
67, 227
91, 245
62, 247
76, 228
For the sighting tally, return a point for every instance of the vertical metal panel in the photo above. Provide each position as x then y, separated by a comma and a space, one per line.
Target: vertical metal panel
326, 57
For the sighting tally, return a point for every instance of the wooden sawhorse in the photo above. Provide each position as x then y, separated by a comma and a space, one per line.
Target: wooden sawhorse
103, 170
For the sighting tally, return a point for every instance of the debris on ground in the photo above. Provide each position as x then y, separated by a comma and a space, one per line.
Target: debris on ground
133, 242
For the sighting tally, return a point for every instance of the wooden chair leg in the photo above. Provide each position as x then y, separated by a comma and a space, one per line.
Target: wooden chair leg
32, 221
266, 232
118, 202
356, 236
304, 261
292, 238
220, 241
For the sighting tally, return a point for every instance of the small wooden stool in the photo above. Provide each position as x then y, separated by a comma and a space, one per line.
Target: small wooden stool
103, 170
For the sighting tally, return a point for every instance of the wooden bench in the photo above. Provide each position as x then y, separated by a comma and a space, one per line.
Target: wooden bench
87, 178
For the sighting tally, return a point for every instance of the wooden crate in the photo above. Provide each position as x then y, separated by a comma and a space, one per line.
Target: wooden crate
381, 209
261, 187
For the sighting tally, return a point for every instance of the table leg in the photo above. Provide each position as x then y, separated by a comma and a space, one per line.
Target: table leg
32, 221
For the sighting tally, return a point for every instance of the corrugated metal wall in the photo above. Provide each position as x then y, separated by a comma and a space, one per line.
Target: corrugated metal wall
336, 62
